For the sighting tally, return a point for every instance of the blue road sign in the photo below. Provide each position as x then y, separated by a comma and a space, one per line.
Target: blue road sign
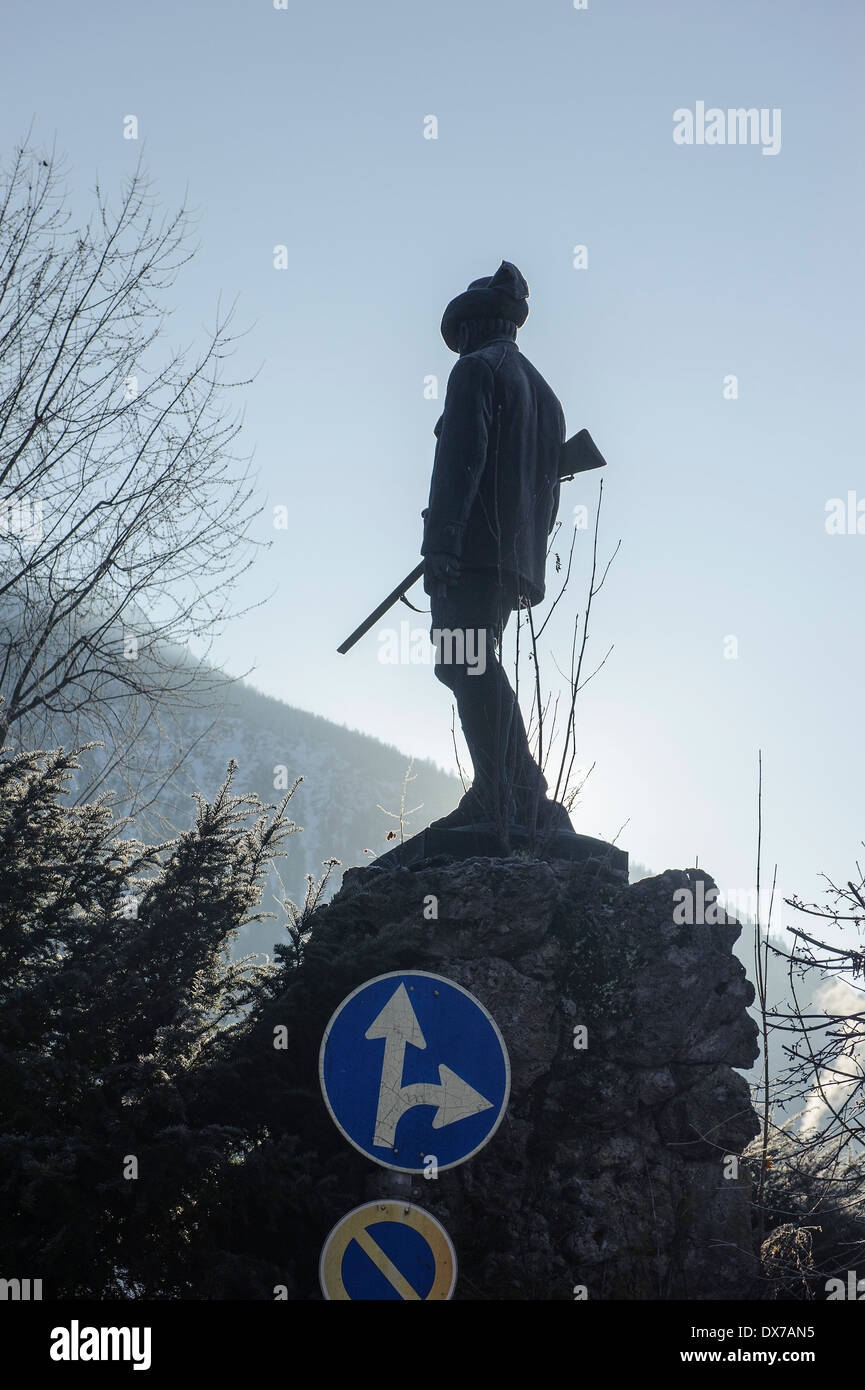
388, 1250
414, 1069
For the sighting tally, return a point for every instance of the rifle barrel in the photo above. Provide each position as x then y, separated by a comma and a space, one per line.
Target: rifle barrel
385, 604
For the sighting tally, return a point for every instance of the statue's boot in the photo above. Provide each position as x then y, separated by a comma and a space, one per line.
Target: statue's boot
551, 815
468, 812
534, 802
475, 808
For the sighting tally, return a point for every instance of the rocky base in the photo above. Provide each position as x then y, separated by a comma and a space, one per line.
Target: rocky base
611, 1172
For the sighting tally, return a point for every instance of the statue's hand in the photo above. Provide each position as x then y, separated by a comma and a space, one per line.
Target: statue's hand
440, 569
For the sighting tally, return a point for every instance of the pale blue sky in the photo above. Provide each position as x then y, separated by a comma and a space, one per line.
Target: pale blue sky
305, 127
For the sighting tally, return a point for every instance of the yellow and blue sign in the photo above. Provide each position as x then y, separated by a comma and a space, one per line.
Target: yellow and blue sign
413, 1068
388, 1250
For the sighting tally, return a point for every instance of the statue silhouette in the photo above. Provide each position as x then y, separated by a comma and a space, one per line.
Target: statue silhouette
493, 501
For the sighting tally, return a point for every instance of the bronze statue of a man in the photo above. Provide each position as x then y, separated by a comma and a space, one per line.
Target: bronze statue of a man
493, 502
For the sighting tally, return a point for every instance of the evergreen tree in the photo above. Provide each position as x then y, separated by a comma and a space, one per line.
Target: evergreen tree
118, 998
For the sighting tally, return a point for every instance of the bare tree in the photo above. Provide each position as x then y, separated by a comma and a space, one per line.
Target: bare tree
812, 1165
553, 740
825, 1048
123, 510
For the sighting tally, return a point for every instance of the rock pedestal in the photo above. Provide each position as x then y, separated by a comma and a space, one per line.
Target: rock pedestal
611, 1172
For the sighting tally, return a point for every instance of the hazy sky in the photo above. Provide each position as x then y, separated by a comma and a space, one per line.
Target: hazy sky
304, 127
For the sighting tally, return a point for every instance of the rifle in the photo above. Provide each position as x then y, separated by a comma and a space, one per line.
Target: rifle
578, 454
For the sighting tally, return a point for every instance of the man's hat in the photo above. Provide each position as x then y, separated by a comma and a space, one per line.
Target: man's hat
499, 296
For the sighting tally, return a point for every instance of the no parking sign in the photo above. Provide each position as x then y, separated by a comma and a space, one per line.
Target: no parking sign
388, 1250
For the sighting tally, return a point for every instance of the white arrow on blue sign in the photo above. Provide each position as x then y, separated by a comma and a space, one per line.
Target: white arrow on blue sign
412, 1067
